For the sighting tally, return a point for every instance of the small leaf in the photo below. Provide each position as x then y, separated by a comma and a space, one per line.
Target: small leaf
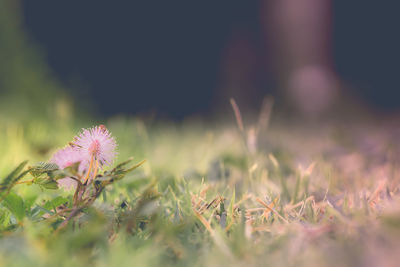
44, 210
13, 177
58, 174
54, 203
39, 180
119, 170
72, 170
50, 184
58, 201
122, 164
43, 167
16, 205
135, 166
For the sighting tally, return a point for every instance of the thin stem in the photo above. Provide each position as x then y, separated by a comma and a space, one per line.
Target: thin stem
25, 182
73, 213
89, 170
96, 169
58, 213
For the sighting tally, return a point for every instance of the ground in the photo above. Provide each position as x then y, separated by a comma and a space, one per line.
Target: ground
215, 193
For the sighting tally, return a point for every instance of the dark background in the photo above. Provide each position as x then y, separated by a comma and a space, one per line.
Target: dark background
166, 56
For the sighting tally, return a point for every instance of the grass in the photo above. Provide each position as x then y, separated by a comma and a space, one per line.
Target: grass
287, 195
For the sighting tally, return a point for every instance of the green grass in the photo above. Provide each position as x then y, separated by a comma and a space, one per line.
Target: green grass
291, 195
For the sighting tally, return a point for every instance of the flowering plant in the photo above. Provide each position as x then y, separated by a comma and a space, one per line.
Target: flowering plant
79, 166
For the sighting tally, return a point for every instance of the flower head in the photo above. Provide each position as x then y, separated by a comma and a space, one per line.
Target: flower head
64, 158
96, 144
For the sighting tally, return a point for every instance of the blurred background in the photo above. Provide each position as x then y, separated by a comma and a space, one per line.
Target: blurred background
178, 59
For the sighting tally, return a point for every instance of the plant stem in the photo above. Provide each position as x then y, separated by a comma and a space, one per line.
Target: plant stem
89, 170
25, 182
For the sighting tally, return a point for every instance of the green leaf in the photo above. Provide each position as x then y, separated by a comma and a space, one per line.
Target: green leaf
13, 177
54, 203
58, 174
119, 170
29, 201
122, 164
5, 217
72, 170
135, 166
115, 174
42, 167
39, 211
58, 201
50, 184
16, 205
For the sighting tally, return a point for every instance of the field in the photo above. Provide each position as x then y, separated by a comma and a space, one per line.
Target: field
251, 192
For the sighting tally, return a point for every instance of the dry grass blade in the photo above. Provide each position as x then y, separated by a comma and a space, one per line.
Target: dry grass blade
238, 115
271, 209
265, 114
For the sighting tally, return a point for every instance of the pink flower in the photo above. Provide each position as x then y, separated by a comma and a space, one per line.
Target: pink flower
64, 158
93, 148
95, 144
